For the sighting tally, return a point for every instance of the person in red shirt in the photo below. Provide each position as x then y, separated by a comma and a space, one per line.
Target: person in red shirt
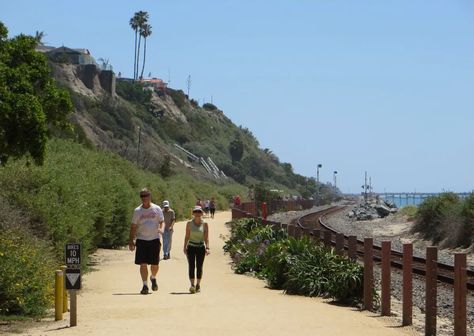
237, 200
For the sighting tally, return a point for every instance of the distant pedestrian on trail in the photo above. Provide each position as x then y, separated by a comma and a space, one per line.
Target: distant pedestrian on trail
147, 228
237, 200
196, 247
207, 204
212, 207
198, 202
170, 219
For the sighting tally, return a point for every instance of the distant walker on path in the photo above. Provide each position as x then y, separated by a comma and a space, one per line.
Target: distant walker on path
212, 207
147, 228
170, 219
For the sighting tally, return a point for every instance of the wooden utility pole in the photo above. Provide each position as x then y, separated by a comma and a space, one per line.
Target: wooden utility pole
138, 147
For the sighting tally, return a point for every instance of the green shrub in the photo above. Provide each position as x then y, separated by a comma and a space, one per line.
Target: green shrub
240, 231
276, 265
165, 168
465, 232
431, 214
178, 97
304, 268
324, 273
446, 220
26, 279
174, 131
234, 170
410, 211
296, 265
209, 106
248, 243
133, 92
279, 258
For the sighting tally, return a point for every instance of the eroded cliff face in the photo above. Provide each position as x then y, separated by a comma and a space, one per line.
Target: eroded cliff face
110, 122
165, 128
81, 79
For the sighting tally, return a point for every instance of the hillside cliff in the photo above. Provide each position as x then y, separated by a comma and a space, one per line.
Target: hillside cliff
158, 127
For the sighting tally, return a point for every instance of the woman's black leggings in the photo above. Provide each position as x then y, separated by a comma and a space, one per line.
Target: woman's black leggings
196, 260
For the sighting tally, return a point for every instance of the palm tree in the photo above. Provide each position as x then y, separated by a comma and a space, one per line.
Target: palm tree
104, 63
137, 22
144, 32
134, 24
39, 35
142, 21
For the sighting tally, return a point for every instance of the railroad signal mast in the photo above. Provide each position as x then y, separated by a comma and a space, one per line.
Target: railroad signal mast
366, 187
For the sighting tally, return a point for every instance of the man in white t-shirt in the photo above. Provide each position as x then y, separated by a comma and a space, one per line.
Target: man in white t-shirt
147, 228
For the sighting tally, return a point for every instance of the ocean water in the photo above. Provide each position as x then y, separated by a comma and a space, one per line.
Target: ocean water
405, 200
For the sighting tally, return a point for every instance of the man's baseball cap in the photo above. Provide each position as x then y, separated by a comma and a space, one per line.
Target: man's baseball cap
166, 204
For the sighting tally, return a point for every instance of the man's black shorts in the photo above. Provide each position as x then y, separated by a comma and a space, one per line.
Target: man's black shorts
147, 252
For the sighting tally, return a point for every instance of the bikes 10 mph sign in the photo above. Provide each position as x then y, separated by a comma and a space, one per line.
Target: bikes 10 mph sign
73, 254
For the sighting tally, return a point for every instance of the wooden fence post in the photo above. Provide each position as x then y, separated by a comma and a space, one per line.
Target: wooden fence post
327, 239
368, 273
460, 294
407, 299
431, 290
340, 243
386, 292
317, 235
352, 248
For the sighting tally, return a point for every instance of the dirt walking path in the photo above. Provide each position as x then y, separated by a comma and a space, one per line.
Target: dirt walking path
229, 304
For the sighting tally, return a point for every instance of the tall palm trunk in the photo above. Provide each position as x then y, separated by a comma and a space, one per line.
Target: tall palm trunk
144, 56
138, 55
135, 56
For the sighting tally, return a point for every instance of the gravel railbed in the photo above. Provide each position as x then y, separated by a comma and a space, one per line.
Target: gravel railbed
396, 228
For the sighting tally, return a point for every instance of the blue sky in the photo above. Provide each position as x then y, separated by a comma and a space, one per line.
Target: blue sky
379, 86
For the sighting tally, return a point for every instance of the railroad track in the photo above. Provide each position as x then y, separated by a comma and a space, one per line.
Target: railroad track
315, 220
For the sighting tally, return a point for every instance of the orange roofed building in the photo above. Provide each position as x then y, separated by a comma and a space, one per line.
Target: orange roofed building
155, 84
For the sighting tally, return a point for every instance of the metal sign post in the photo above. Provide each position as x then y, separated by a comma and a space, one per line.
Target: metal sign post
73, 277
73, 315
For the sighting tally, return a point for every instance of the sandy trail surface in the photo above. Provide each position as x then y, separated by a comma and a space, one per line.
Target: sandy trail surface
229, 304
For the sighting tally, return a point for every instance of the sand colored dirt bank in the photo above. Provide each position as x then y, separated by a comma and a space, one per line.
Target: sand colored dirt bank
229, 304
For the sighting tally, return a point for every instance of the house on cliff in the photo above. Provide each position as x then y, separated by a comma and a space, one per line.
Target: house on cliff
154, 84
85, 67
71, 56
